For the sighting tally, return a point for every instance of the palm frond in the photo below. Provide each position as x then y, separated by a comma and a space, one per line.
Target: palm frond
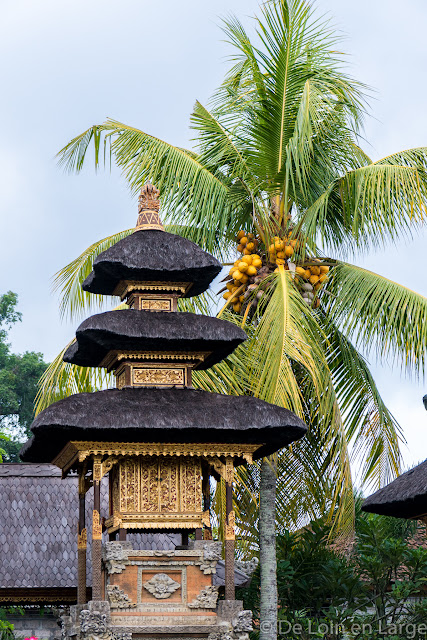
62, 379
370, 427
379, 315
196, 197
371, 205
73, 300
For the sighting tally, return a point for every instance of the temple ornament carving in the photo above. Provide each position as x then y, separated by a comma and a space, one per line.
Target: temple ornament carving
118, 598
161, 586
206, 599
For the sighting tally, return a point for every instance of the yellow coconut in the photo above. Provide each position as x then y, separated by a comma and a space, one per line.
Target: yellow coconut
240, 248
243, 266
315, 271
237, 275
300, 271
288, 251
251, 270
247, 259
314, 279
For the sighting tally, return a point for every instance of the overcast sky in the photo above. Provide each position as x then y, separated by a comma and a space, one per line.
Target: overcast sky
68, 64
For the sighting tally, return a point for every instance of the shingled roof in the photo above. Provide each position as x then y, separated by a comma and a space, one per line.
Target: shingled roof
38, 544
151, 255
405, 497
161, 415
132, 330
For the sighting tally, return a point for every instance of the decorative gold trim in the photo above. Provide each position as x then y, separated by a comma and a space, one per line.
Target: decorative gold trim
102, 467
114, 358
78, 451
206, 518
229, 528
154, 521
125, 287
96, 526
82, 539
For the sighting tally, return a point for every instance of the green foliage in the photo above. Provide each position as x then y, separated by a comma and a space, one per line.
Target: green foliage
381, 583
19, 376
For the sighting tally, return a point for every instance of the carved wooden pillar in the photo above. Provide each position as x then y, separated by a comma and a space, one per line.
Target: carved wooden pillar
96, 542
230, 592
122, 535
206, 488
81, 546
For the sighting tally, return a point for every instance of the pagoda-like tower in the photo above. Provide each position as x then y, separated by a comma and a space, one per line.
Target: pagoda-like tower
158, 440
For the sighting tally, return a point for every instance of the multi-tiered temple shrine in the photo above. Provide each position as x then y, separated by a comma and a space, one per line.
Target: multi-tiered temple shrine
159, 441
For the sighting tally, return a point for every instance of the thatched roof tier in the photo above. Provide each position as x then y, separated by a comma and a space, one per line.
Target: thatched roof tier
148, 256
161, 415
132, 330
405, 497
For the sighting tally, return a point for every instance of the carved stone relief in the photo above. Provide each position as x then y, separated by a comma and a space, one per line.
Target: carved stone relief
212, 553
115, 556
247, 566
206, 599
161, 585
118, 598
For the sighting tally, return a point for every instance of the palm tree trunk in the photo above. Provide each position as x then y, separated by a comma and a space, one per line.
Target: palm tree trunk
267, 542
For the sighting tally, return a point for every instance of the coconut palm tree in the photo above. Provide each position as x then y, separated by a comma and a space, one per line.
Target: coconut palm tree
277, 155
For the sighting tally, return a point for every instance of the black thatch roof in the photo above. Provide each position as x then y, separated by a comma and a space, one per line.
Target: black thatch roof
161, 415
132, 330
405, 497
151, 255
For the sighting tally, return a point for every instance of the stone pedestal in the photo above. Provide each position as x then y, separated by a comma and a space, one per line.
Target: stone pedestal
159, 594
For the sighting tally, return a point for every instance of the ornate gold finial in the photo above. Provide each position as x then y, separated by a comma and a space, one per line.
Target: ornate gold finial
148, 209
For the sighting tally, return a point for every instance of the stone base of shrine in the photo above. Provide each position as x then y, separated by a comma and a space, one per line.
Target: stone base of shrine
93, 621
156, 595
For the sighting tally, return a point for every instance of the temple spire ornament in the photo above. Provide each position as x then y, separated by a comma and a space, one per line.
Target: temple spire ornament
148, 209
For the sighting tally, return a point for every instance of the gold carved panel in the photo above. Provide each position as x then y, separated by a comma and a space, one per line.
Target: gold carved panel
157, 491
158, 376
155, 305
129, 485
149, 484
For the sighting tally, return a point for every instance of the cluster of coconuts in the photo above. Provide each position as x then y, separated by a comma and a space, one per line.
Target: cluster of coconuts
255, 264
311, 279
244, 272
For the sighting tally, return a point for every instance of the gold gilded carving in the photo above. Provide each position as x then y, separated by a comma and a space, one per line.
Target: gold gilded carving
129, 485
149, 485
96, 526
206, 519
126, 287
113, 359
191, 485
230, 527
120, 380
158, 376
155, 521
168, 482
97, 467
156, 305
229, 470
148, 209
82, 539
80, 451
